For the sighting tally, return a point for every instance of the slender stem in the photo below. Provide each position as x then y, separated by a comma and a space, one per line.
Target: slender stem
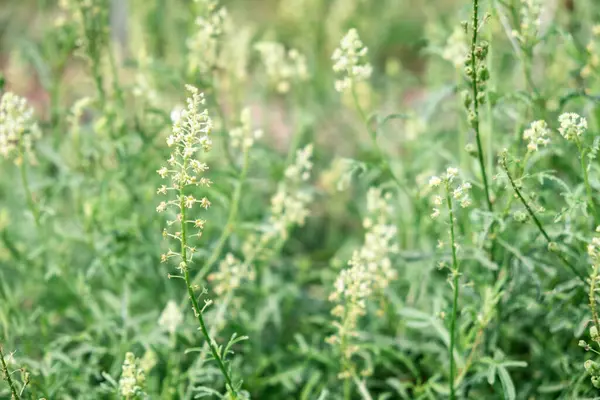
592, 294
25, 181
475, 88
478, 340
7, 377
455, 283
192, 295
588, 188
538, 223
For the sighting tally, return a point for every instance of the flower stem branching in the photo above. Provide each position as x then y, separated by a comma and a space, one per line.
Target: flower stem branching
538, 224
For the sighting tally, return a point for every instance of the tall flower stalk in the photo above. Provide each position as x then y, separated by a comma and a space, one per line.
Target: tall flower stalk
478, 73
461, 194
18, 131
190, 136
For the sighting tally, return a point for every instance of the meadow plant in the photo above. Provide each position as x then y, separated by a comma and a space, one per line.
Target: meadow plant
190, 136
297, 202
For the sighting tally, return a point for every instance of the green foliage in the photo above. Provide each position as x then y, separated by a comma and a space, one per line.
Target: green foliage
312, 253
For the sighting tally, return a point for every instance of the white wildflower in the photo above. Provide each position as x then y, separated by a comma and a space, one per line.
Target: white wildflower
18, 128
537, 135
350, 62
572, 126
171, 317
283, 68
132, 379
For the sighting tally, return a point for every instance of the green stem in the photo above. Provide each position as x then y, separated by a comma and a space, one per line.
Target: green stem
538, 223
192, 295
7, 377
455, 283
588, 188
592, 295
475, 89
25, 181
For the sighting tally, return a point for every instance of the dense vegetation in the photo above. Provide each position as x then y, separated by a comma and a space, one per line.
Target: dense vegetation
358, 199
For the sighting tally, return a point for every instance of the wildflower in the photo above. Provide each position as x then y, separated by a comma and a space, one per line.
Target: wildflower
283, 67
243, 136
176, 114
189, 201
370, 270
161, 207
456, 47
531, 11
537, 135
203, 46
132, 379
204, 203
189, 137
572, 126
435, 213
231, 273
434, 181
18, 129
171, 317
350, 61
289, 204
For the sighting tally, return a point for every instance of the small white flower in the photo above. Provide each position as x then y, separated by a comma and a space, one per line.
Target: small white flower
434, 181
435, 213
171, 317
177, 113
350, 61
572, 126
537, 135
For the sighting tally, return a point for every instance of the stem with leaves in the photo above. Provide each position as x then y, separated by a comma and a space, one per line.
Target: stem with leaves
592, 294
190, 289
588, 188
455, 287
475, 90
25, 181
535, 219
7, 377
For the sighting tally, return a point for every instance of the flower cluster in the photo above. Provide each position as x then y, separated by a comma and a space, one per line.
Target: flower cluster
350, 61
572, 126
133, 378
203, 46
230, 275
456, 47
460, 192
593, 53
593, 248
190, 135
283, 67
289, 206
243, 136
171, 317
537, 135
370, 271
529, 29
18, 129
